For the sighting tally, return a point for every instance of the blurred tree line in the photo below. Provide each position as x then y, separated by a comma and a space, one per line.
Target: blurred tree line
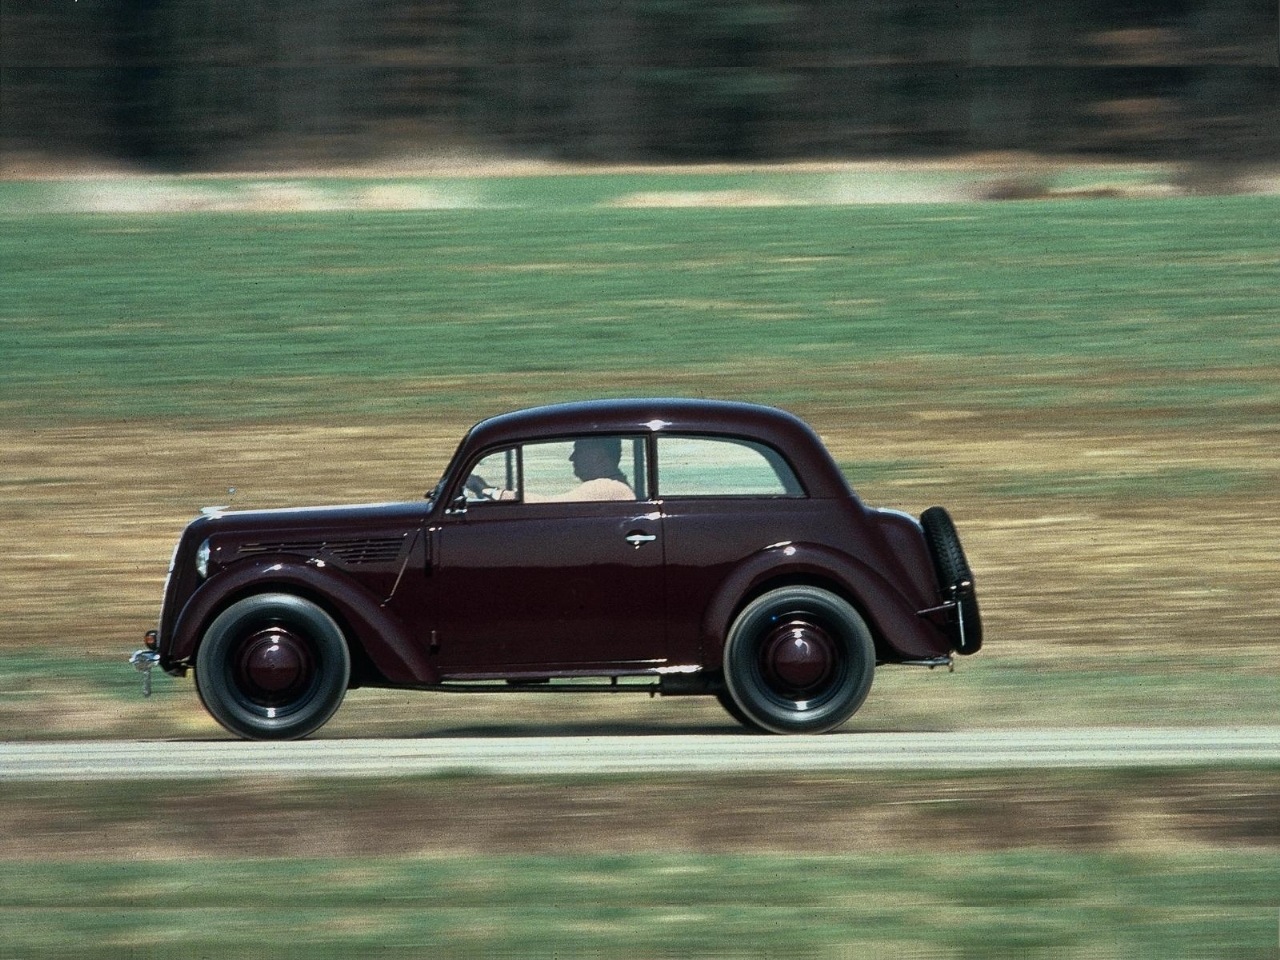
225, 83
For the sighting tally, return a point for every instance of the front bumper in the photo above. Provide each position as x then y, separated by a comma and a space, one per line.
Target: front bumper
145, 661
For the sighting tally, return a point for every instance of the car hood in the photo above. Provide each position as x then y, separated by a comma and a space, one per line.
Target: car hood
301, 529
221, 519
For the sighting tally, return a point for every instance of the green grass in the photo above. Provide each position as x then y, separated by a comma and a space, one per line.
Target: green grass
262, 316
1026, 905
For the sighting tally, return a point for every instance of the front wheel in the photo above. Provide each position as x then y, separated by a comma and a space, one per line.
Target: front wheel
799, 660
273, 667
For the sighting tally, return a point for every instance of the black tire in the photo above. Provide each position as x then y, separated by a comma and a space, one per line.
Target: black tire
953, 571
273, 667
798, 660
731, 707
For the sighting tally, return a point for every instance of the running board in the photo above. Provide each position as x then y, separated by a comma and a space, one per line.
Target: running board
668, 685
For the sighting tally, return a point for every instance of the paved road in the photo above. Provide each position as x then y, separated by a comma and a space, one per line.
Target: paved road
720, 753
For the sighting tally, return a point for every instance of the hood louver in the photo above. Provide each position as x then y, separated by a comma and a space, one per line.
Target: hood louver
347, 551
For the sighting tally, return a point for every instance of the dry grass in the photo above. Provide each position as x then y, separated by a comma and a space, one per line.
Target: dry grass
1146, 814
92, 511
1144, 573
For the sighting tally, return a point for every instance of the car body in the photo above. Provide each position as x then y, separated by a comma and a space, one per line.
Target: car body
723, 554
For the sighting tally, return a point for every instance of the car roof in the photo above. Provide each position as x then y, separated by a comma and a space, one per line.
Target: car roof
779, 429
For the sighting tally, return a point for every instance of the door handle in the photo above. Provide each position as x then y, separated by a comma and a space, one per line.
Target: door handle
636, 538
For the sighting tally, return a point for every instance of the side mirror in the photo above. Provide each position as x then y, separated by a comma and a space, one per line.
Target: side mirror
458, 504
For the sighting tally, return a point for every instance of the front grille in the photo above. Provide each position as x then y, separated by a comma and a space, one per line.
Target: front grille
368, 550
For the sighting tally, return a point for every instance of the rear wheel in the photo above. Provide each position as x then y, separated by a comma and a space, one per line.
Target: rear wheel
273, 667
798, 660
731, 707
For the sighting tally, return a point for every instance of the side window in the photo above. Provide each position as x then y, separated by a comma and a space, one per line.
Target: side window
584, 469
565, 471
721, 467
495, 472
548, 470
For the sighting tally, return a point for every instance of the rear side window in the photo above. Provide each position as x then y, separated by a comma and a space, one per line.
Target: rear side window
722, 467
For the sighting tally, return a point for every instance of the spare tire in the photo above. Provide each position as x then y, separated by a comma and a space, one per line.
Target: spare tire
954, 577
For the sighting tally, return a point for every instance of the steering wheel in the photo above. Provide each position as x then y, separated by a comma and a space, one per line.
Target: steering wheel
476, 488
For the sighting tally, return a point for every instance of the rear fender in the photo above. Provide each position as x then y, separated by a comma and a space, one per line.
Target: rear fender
368, 625
899, 630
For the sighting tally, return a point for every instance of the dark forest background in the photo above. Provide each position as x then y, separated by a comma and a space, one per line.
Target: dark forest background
225, 84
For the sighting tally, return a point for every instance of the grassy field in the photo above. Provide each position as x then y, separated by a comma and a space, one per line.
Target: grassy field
1019, 905
1092, 386
1027, 865
1160, 306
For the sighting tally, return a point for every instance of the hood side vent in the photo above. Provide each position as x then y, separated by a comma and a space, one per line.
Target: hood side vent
381, 550
367, 551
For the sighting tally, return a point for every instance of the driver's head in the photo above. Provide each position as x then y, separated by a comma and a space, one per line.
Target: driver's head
596, 457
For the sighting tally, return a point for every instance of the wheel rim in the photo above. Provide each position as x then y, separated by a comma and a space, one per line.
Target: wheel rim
799, 662
273, 667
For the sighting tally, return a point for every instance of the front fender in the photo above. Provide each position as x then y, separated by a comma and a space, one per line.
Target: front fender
369, 626
900, 632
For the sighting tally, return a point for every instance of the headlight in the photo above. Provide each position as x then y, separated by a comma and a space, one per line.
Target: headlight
202, 560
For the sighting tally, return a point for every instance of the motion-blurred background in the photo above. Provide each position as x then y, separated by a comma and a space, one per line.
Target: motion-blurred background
235, 84
297, 248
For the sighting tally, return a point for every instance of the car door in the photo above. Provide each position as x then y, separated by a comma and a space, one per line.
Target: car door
723, 500
531, 579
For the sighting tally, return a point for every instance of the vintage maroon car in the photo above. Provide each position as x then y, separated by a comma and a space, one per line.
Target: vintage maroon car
714, 548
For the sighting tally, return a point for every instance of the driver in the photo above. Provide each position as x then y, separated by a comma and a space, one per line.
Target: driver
595, 462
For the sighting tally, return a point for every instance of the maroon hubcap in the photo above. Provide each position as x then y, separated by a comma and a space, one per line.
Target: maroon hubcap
797, 658
274, 667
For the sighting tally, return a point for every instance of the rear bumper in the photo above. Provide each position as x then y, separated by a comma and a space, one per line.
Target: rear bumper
959, 616
966, 625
